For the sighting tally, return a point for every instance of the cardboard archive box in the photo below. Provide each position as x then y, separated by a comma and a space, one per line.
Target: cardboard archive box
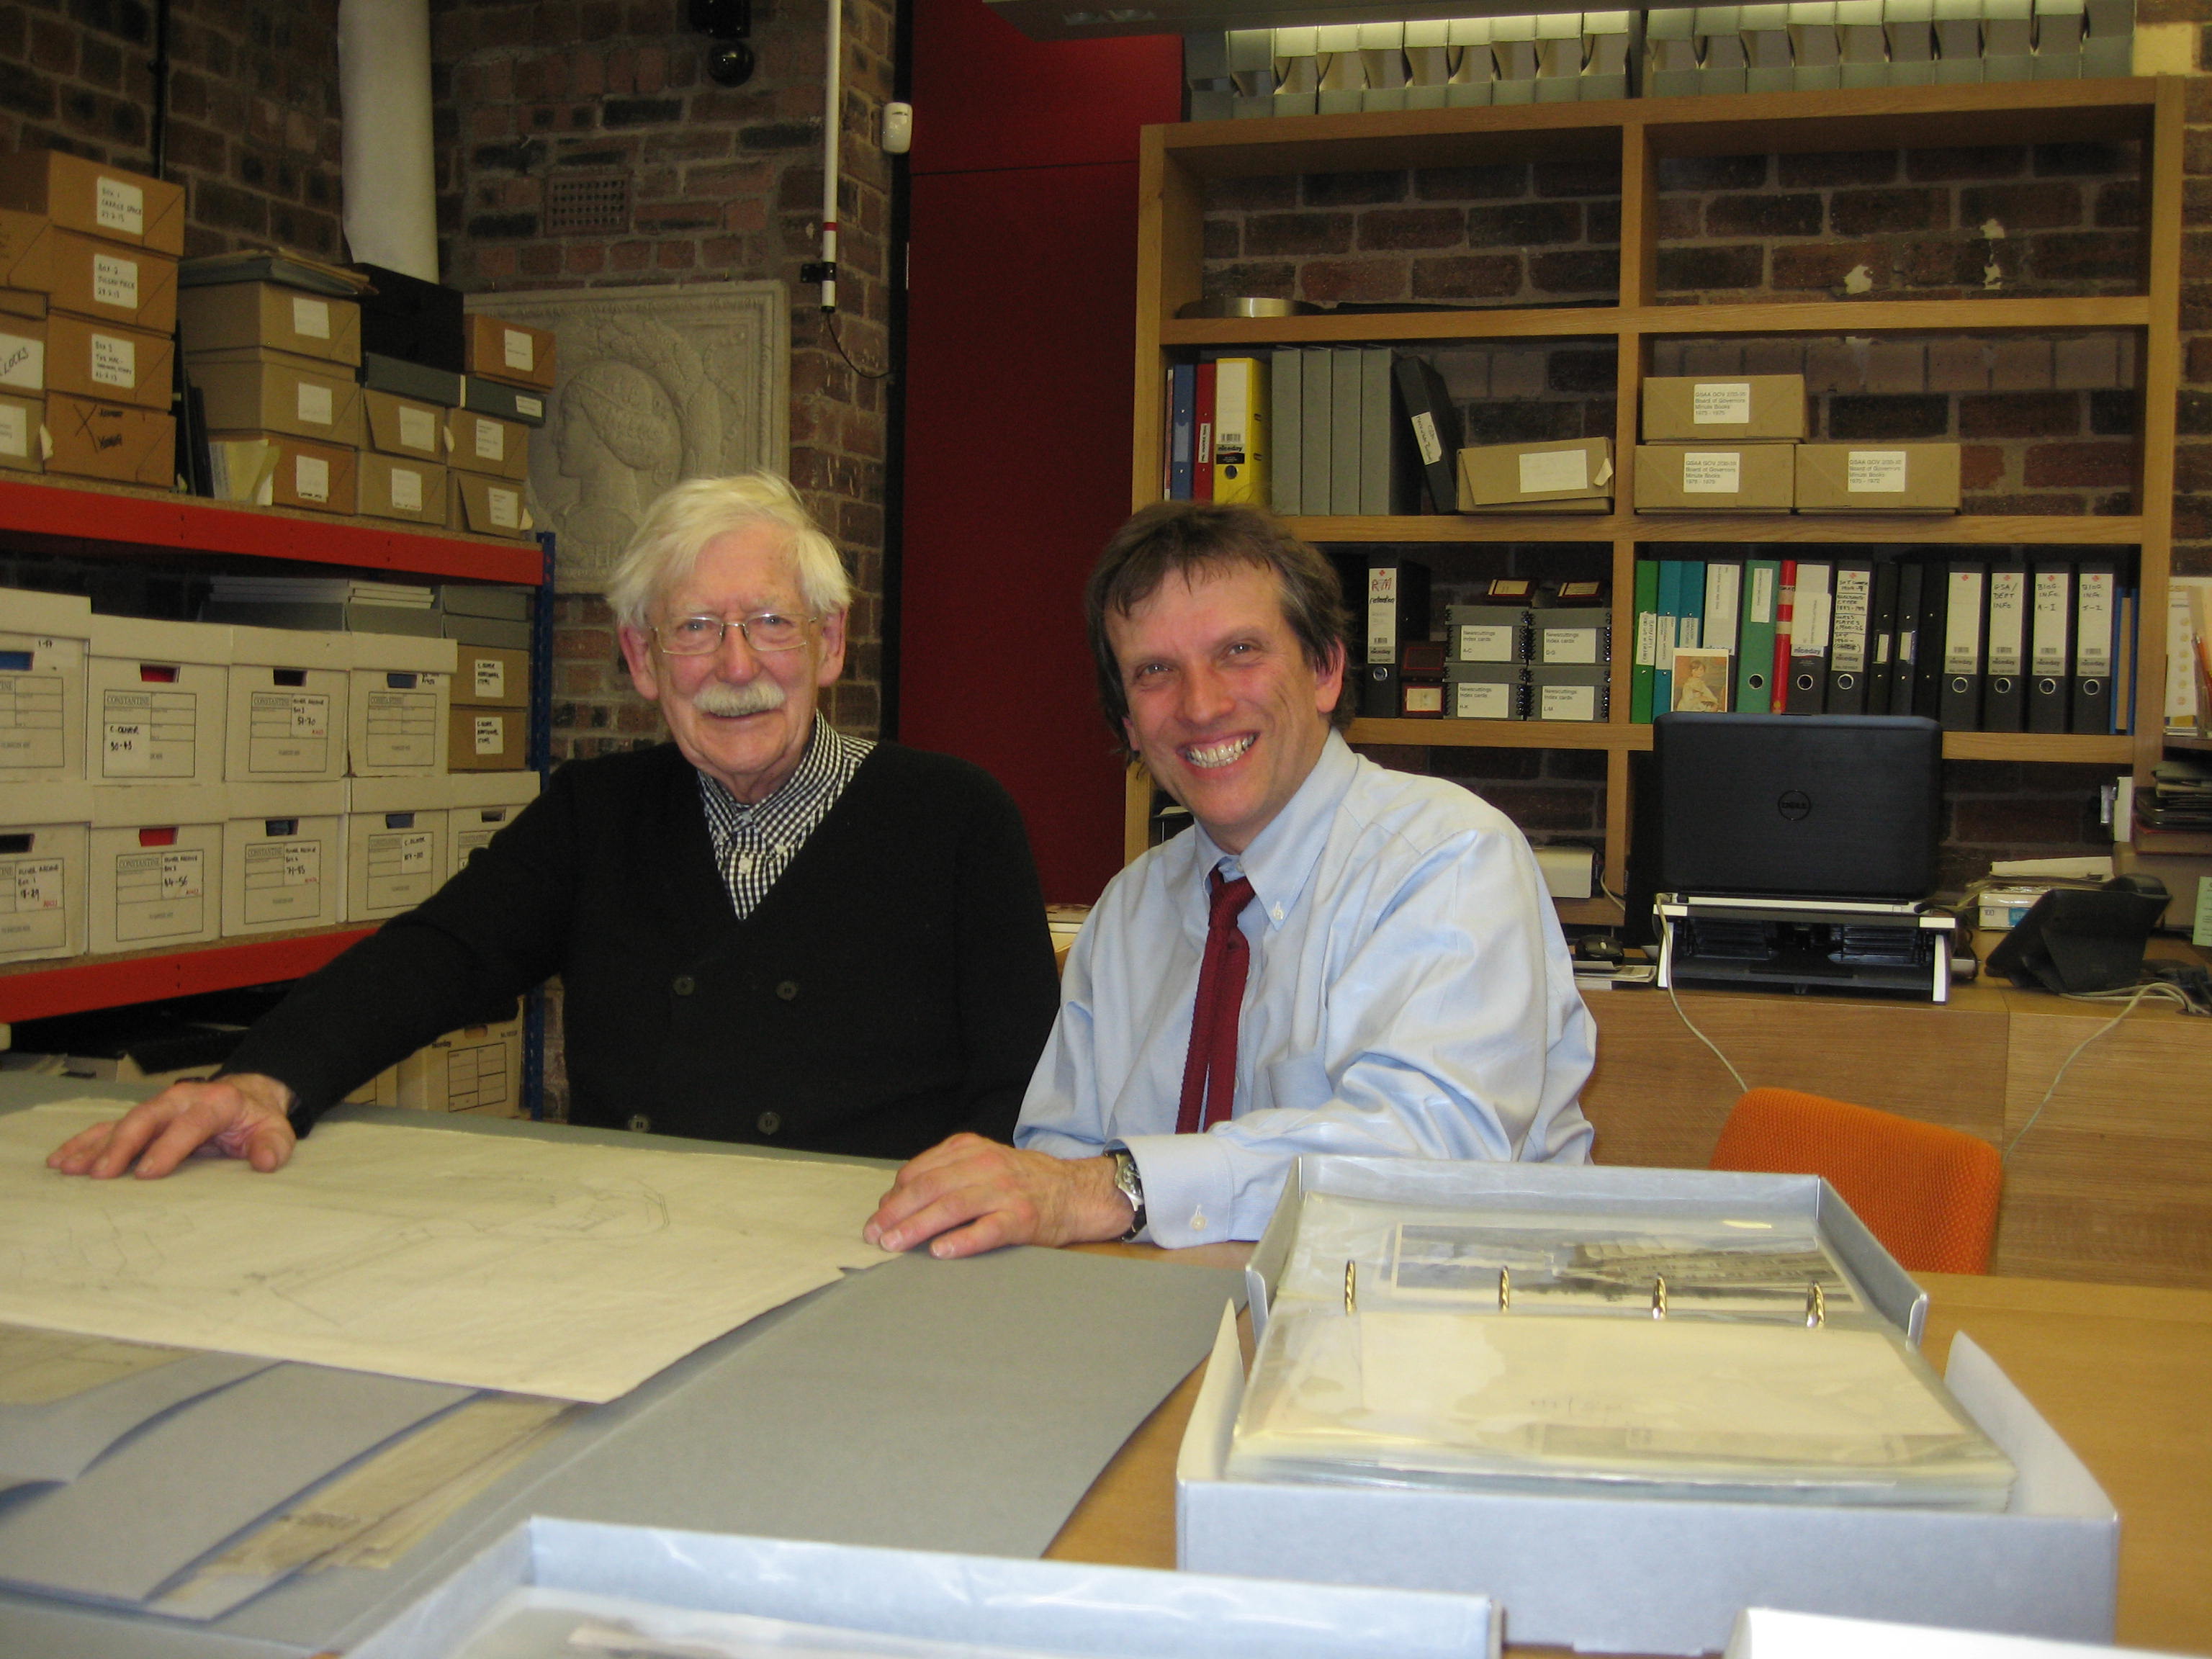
254, 389
488, 507
512, 352
1674, 1573
245, 316
109, 361
488, 739
276, 469
43, 910
22, 434
395, 844
1901, 477
42, 651
155, 857
123, 443
1575, 476
1705, 408
288, 705
476, 1069
23, 355
492, 677
93, 276
406, 426
504, 601
95, 199
156, 697
396, 710
484, 803
492, 631
486, 445
393, 487
1697, 478
283, 857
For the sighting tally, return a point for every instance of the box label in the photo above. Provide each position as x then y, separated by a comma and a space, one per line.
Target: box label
115, 281
31, 917
1712, 472
1647, 639
1761, 608
402, 728
1487, 643
533, 407
418, 429
284, 881
1475, 700
1720, 403
15, 430
491, 678
1571, 645
119, 206
1569, 703
31, 708
312, 404
491, 735
491, 441
1424, 437
22, 363
1874, 472
159, 895
310, 319
114, 361
311, 478
1551, 469
517, 350
406, 489
288, 732
506, 508
398, 868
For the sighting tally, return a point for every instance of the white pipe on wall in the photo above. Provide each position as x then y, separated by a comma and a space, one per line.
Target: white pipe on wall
384, 93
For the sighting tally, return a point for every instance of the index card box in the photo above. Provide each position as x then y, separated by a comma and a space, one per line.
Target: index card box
97, 199
395, 844
155, 701
42, 653
1485, 633
42, 870
1716, 477
1694, 408
1568, 691
1576, 475
396, 707
1571, 635
288, 705
230, 316
1486, 692
155, 856
283, 857
484, 803
1901, 477
1674, 1573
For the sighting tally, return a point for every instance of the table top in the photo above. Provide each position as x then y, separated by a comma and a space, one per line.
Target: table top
2124, 1374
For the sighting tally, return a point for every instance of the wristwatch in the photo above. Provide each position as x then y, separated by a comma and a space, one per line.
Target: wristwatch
1131, 1186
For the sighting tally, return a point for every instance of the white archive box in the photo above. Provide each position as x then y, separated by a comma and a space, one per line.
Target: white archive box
484, 803
662, 1580
288, 687
396, 714
43, 909
395, 843
156, 866
475, 1069
283, 857
1670, 1574
42, 650
156, 696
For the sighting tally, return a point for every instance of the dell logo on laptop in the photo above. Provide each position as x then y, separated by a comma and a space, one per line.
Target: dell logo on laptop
1794, 803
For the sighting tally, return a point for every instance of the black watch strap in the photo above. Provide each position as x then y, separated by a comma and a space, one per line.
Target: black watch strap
1131, 1186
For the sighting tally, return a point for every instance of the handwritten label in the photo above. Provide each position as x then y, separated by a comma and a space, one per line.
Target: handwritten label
313, 403
506, 508
23, 362
1550, 469
310, 319
15, 430
115, 281
311, 478
114, 361
519, 350
119, 206
406, 489
418, 429
491, 441
491, 735
491, 678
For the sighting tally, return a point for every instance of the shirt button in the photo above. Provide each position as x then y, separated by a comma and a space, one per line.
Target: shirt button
641, 1124
788, 990
745, 864
768, 1123
1197, 1221
1277, 912
684, 985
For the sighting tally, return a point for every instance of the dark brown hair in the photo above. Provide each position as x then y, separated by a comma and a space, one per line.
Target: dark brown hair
1191, 539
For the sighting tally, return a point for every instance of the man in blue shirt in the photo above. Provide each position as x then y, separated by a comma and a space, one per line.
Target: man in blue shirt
1334, 958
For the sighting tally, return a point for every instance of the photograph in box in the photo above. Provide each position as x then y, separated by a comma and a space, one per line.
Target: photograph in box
96, 198
22, 423
120, 443
109, 361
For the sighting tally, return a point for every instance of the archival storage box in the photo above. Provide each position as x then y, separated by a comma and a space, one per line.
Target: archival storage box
1900, 477
42, 653
486, 739
97, 199
395, 844
1716, 477
1574, 475
484, 803
156, 701
283, 857
44, 908
156, 867
397, 704
288, 696
228, 316
1696, 407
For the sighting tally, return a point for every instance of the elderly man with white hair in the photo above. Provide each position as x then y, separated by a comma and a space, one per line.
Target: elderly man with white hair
766, 930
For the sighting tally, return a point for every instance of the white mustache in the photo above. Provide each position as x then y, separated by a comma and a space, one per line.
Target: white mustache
729, 701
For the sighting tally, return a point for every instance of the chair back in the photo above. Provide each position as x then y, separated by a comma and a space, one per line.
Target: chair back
1928, 1193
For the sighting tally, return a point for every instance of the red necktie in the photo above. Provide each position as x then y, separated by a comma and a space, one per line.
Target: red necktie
1209, 1074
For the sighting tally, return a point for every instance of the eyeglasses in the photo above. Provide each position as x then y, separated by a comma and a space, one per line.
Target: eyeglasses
765, 631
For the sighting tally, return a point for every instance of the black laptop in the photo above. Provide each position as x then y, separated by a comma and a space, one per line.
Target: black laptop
1806, 807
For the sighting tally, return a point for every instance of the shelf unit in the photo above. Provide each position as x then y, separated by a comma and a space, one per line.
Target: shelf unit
1178, 161
86, 521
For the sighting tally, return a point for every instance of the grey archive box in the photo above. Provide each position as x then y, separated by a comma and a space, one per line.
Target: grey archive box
1568, 691
509, 402
406, 380
507, 604
1486, 692
495, 631
328, 615
1570, 635
1486, 634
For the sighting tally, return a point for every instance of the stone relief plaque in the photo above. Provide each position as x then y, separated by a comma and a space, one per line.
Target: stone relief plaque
655, 385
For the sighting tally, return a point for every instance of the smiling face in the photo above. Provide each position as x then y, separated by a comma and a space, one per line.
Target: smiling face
738, 715
1225, 710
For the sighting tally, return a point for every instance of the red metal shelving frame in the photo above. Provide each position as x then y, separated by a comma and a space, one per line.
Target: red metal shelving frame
34, 990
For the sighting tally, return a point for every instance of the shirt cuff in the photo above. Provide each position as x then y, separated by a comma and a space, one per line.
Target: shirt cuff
1189, 1189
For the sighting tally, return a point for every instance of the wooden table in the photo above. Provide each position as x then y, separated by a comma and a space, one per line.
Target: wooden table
2124, 1373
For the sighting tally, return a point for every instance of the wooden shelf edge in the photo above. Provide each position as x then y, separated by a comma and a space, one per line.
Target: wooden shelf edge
1978, 530
40, 990
133, 520
1501, 734
2050, 747
1590, 912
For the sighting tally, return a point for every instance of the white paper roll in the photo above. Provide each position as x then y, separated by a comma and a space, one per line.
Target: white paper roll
384, 90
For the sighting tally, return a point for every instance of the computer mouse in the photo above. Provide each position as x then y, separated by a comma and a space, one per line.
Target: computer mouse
1596, 947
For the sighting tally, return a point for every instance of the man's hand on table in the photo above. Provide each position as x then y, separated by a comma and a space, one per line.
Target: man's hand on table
970, 1194
242, 1116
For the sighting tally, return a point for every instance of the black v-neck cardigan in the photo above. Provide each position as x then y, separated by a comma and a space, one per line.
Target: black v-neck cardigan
896, 984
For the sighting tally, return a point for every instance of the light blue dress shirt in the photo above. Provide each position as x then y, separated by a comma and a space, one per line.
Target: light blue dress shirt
1410, 995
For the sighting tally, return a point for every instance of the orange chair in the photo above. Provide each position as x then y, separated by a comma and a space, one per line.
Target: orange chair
1929, 1193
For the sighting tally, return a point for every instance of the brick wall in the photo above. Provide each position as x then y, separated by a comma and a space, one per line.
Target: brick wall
725, 185
253, 112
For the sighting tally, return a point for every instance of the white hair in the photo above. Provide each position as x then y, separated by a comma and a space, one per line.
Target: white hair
665, 550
